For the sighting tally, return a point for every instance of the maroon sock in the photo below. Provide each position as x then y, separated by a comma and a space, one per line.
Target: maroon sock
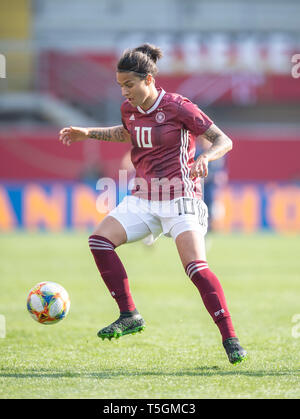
112, 271
212, 295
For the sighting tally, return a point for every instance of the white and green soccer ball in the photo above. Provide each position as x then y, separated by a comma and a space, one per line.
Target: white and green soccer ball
48, 302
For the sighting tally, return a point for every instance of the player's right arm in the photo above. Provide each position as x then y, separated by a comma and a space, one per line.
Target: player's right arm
71, 135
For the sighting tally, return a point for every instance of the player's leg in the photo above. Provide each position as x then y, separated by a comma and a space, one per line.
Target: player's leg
191, 249
112, 230
108, 235
126, 223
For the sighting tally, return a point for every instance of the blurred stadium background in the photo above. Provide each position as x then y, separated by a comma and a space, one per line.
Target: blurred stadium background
233, 58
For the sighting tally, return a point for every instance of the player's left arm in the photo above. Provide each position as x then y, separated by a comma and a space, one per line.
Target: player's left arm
220, 145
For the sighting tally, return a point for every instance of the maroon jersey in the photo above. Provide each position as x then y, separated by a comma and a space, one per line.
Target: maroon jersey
163, 146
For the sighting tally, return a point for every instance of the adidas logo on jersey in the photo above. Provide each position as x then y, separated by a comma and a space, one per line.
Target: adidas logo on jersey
132, 118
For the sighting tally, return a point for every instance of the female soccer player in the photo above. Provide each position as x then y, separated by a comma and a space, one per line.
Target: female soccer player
166, 198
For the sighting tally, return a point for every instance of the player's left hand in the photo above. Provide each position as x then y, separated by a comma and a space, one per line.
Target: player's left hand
200, 167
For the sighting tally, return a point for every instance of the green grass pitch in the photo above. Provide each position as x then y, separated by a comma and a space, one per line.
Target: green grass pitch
179, 355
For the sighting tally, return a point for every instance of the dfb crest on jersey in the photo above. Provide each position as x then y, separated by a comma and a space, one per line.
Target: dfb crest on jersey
160, 117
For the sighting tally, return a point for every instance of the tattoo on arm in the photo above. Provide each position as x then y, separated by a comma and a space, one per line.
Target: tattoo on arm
117, 134
221, 144
211, 134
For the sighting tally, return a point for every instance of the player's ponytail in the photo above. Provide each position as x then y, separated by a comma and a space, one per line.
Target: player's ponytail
141, 60
155, 53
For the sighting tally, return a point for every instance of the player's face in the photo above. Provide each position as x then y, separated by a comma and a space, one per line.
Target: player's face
136, 90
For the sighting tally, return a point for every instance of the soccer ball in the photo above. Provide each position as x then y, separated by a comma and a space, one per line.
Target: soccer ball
48, 302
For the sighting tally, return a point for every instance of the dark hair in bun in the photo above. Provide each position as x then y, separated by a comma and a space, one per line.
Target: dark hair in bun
141, 60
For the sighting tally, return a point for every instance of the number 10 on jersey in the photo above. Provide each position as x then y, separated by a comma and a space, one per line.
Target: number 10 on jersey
143, 137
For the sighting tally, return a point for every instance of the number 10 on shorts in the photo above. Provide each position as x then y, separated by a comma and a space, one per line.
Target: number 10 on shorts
185, 206
2, 326
189, 206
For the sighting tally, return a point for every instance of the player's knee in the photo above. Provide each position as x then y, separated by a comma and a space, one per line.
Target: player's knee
111, 229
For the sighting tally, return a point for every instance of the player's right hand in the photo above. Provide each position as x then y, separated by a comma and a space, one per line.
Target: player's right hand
71, 135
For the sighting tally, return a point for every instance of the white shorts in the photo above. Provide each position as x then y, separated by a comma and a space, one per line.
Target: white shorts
141, 218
